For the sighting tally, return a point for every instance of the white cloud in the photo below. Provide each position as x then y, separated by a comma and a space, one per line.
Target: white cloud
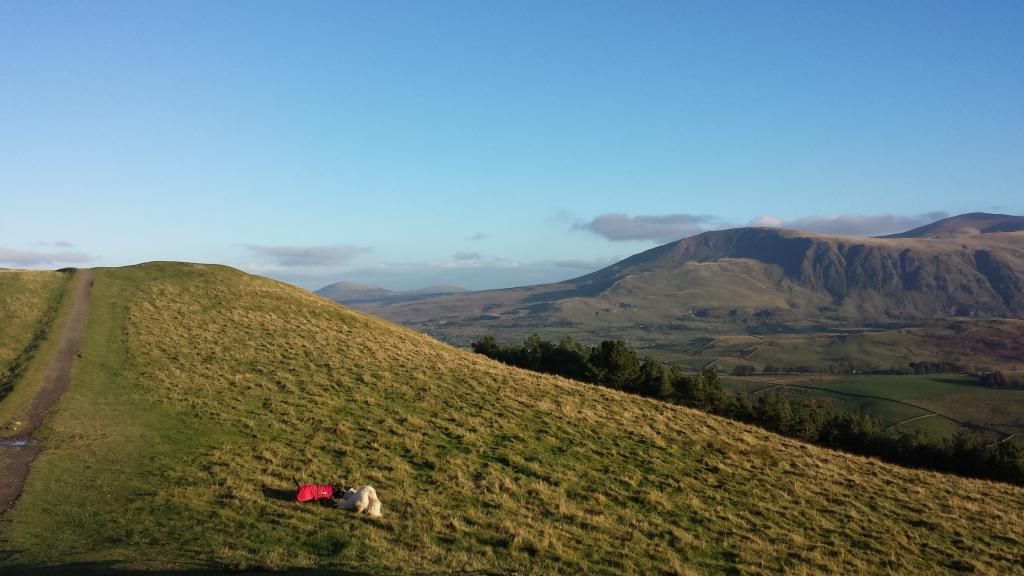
306, 256
587, 264
767, 221
618, 227
851, 224
37, 258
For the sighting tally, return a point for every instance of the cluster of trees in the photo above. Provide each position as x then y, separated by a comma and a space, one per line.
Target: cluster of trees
848, 368
745, 370
986, 378
611, 363
1001, 380
936, 368
614, 364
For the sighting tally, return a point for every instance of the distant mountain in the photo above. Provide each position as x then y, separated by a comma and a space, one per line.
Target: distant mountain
966, 224
433, 290
763, 278
354, 292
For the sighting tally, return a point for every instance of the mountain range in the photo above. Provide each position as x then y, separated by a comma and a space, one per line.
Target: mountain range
755, 281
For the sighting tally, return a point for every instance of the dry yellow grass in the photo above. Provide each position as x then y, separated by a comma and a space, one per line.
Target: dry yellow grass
202, 392
31, 306
25, 296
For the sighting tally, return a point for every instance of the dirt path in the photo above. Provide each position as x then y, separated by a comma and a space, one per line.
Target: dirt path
17, 453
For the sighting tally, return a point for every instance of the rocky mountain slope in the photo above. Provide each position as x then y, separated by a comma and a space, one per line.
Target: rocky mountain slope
970, 266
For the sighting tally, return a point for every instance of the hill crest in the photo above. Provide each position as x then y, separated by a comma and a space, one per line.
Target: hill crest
965, 224
201, 392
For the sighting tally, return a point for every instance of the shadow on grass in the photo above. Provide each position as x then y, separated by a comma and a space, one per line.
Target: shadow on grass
960, 382
112, 569
287, 495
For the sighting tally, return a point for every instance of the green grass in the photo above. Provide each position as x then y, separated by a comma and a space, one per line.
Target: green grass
956, 397
906, 387
202, 392
933, 425
948, 394
34, 306
25, 297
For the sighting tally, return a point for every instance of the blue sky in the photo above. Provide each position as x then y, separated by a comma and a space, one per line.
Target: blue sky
490, 144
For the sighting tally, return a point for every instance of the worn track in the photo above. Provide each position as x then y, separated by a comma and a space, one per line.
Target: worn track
18, 452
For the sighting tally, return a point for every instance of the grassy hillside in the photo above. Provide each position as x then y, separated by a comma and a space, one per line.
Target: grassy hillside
25, 297
202, 391
30, 303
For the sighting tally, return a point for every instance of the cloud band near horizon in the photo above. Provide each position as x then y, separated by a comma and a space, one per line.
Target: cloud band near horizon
31, 258
618, 227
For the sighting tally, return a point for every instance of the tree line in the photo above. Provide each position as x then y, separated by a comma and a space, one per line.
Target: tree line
614, 364
984, 376
1001, 380
917, 368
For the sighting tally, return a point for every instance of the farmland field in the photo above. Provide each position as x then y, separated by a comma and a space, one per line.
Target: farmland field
957, 398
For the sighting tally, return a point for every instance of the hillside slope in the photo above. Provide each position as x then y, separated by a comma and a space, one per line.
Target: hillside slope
201, 392
30, 302
25, 297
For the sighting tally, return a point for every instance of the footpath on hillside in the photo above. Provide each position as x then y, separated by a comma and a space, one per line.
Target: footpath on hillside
18, 452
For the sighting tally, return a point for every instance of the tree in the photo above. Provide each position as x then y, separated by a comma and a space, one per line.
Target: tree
654, 380
615, 365
703, 390
487, 346
743, 370
774, 413
571, 358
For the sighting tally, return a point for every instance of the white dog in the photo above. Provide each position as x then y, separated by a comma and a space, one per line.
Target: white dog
361, 500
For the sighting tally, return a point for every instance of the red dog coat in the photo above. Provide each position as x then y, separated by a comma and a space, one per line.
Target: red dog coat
309, 492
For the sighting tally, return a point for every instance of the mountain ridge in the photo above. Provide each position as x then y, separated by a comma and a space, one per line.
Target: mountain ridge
762, 283
972, 222
875, 280
347, 292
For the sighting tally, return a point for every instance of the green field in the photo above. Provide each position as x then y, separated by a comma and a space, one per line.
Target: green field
956, 397
201, 392
910, 387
